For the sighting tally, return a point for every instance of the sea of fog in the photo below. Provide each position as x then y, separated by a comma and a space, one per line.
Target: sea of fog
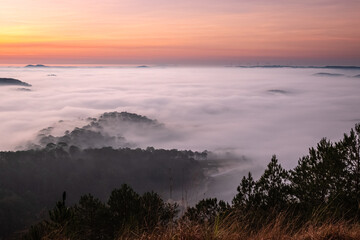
244, 115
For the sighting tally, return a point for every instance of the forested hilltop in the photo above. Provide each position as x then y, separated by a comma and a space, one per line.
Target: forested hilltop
107, 130
318, 199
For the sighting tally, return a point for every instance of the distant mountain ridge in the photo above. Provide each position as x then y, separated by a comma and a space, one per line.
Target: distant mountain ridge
36, 66
238, 66
289, 66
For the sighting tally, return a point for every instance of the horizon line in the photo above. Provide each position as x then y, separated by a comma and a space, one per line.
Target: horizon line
175, 65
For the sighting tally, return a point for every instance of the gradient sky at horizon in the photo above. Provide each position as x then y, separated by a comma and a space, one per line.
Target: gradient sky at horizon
316, 32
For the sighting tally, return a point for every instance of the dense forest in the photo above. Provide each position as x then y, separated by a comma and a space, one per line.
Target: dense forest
324, 188
31, 181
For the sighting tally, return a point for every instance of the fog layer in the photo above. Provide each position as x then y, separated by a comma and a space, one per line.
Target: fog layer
251, 112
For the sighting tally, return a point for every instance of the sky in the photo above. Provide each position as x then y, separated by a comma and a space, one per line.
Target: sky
211, 32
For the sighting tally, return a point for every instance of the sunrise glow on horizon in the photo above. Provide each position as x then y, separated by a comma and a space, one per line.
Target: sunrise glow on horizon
187, 32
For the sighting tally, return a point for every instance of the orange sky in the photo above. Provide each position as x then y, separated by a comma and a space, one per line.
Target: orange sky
188, 32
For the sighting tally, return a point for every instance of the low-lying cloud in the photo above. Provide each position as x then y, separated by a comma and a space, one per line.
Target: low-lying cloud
251, 112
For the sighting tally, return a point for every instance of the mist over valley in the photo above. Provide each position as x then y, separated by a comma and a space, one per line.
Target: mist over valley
186, 133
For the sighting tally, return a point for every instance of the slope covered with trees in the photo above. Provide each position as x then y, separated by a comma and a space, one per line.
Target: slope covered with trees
321, 194
31, 181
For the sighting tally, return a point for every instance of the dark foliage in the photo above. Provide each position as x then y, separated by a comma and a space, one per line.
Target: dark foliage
325, 184
207, 210
88, 219
91, 219
30, 181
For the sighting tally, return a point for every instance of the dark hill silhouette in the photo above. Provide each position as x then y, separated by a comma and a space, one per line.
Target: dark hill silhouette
12, 81
36, 66
277, 91
325, 74
23, 89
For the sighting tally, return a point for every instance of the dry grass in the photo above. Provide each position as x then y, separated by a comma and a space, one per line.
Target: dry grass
278, 230
230, 229
340, 230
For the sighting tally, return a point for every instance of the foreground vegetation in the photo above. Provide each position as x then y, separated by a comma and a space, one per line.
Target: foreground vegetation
229, 230
318, 199
235, 230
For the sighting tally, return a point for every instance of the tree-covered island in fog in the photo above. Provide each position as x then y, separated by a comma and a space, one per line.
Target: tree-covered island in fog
12, 81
